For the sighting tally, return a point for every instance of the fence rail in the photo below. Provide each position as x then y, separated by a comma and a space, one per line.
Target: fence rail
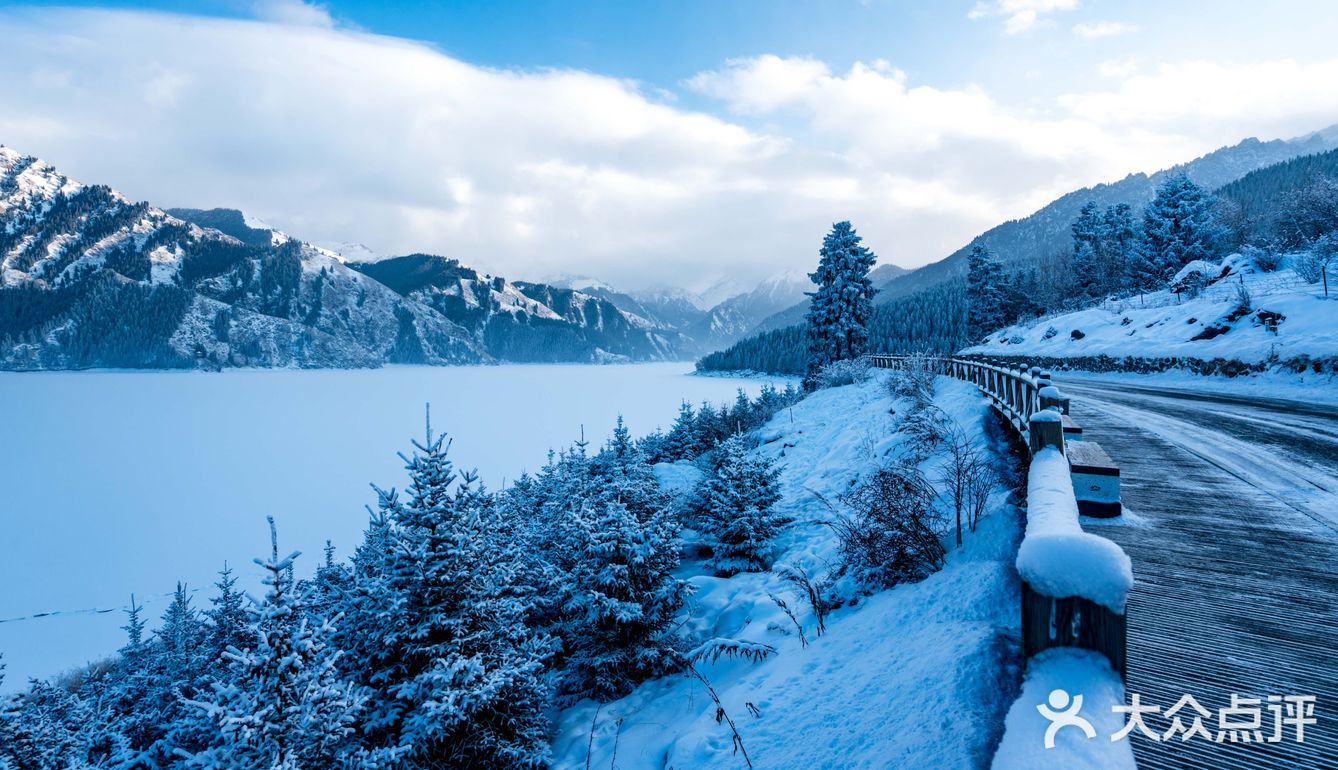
1021, 396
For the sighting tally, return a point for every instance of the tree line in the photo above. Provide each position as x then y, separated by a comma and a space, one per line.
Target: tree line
446, 639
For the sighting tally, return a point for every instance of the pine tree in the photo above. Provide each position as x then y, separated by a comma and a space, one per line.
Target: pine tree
622, 599
1120, 240
284, 706
741, 415
984, 294
456, 670
227, 618
1179, 226
134, 629
181, 637
734, 507
1087, 248
681, 442
840, 310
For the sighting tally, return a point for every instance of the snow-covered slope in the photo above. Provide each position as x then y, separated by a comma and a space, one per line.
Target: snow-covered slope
918, 676
522, 321
92, 279
1047, 231
1279, 317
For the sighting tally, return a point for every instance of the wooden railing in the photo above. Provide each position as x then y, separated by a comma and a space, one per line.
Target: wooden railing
1019, 395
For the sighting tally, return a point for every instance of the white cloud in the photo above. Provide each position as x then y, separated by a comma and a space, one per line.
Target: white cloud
337, 135
1214, 99
1019, 15
293, 12
1095, 29
1118, 68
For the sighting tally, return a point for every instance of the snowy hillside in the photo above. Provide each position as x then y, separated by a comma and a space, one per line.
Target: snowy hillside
1047, 230
872, 688
1231, 310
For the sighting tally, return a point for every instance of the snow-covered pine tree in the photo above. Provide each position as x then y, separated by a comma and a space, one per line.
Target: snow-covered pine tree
680, 443
984, 293
456, 670
622, 600
1179, 226
740, 417
327, 587
284, 707
837, 322
181, 638
134, 629
608, 542
1088, 243
708, 428
228, 623
160, 722
1120, 239
734, 508
48, 727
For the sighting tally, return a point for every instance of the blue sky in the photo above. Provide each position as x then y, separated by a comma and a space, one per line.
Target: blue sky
649, 143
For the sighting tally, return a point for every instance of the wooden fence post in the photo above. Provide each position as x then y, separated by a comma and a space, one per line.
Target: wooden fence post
1046, 429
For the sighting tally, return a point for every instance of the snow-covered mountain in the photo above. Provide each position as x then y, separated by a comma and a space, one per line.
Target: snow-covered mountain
522, 321
90, 279
880, 276
705, 321
739, 315
354, 252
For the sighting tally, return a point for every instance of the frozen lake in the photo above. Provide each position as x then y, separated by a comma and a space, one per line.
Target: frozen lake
125, 482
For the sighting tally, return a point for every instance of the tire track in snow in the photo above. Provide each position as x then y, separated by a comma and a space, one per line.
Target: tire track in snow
1301, 483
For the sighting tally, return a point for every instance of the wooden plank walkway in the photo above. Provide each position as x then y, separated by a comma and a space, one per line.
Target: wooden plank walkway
1236, 589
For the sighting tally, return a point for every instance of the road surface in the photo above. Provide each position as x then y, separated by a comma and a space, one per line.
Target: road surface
1232, 526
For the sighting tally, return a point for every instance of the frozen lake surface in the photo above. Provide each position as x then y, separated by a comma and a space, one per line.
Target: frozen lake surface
125, 482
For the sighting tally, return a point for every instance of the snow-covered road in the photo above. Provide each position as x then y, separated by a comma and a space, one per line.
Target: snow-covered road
1232, 524
1287, 449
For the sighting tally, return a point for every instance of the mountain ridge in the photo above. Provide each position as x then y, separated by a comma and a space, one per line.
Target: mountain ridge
92, 279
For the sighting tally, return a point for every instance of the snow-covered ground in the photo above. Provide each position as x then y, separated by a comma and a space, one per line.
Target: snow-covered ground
1162, 324
918, 676
121, 482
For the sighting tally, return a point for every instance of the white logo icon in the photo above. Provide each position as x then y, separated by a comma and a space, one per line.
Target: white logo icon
1063, 712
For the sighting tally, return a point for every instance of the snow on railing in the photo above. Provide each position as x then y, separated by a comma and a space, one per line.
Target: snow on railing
1057, 558
1075, 584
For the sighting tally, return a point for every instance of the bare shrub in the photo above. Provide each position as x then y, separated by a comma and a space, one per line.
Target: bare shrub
967, 478
1244, 302
1266, 259
892, 534
1313, 264
914, 380
812, 591
741, 649
980, 485
850, 371
926, 429
789, 613
721, 715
